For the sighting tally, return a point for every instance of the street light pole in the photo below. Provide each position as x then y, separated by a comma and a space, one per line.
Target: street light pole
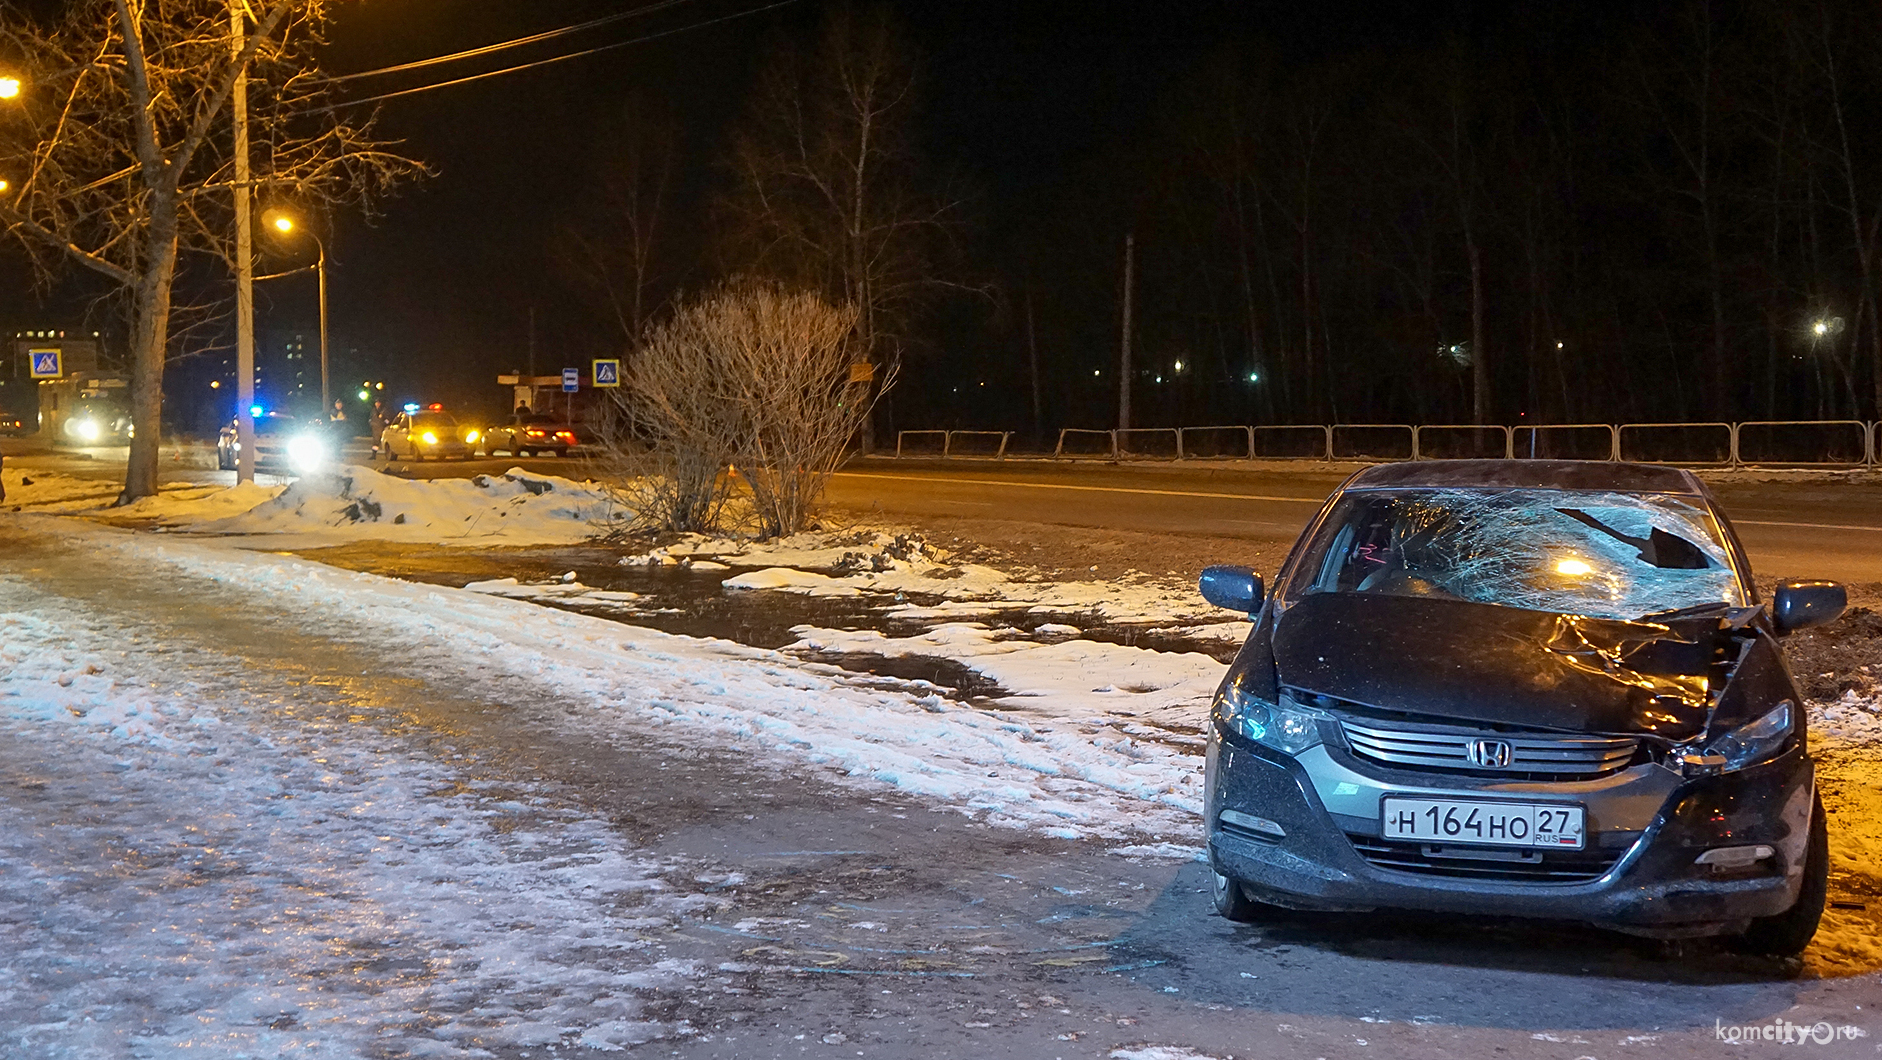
320, 269
244, 266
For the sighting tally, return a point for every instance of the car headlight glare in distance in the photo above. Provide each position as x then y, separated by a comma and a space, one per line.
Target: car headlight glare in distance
472, 436
85, 429
430, 438
307, 451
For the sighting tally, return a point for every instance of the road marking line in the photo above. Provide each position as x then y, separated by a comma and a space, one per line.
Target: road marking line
1806, 526
1085, 489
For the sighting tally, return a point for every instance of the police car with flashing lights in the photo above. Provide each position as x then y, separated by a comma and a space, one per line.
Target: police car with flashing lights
427, 432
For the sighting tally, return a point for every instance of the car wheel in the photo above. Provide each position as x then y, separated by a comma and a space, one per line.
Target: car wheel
1231, 902
1789, 932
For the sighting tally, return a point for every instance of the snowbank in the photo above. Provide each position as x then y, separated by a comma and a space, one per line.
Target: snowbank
891, 564
54, 493
1066, 777
356, 503
1070, 680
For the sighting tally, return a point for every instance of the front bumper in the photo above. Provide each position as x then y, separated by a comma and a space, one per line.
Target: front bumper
1646, 825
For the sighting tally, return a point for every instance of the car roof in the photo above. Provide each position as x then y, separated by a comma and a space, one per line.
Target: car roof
1531, 474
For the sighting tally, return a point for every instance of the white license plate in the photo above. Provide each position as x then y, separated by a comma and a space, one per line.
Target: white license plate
1501, 824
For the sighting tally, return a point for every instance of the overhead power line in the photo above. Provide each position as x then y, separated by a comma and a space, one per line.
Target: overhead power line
489, 49
561, 58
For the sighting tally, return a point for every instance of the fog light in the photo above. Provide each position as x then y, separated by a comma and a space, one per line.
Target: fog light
1248, 822
1725, 858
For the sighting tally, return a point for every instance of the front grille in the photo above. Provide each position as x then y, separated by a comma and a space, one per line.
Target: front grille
1537, 866
1536, 755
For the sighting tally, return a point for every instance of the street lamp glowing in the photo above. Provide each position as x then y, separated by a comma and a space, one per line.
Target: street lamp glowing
283, 223
9, 87
1821, 327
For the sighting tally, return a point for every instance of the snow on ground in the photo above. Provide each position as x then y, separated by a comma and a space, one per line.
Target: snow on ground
354, 503
184, 873
1082, 680
1067, 777
900, 564
54, 493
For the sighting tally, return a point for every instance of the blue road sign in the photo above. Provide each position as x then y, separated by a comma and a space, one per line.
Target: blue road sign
607, 373
571, 380
47, 364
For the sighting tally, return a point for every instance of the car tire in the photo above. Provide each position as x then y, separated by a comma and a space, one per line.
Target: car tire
1788, 933
1231, 901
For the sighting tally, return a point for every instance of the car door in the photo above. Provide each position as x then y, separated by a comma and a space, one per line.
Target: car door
396, 431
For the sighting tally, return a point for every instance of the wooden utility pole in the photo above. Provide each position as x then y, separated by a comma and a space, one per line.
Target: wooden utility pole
1124, 356
244, 264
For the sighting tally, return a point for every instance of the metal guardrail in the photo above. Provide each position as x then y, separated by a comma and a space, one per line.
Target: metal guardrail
1109, 438
1768, 443
1841, 443
947, 442
1559, 441
1450, 441
1695, 444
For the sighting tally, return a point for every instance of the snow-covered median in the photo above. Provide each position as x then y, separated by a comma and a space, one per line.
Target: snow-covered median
355, 503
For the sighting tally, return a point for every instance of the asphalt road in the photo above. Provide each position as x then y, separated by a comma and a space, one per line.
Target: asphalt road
1819, 526
1817, 529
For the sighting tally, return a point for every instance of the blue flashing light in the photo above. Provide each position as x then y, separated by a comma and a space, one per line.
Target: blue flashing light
413, 407
254, 410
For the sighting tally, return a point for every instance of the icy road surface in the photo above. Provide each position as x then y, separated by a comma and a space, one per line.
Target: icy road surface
257, 807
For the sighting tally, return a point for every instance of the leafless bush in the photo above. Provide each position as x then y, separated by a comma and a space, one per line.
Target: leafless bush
750, 375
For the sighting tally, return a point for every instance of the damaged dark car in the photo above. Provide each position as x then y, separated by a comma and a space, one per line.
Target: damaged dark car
1520, 688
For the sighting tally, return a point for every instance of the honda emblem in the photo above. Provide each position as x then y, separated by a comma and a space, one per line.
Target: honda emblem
1490, 754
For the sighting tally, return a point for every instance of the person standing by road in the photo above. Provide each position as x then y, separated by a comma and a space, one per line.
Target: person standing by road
379, 423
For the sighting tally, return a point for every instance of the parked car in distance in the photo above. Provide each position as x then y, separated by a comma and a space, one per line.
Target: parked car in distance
283, 444
531, 435
12, 423
1520, 688
428, 434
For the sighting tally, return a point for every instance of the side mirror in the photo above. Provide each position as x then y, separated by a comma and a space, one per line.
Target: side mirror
1800, 605
1236, 588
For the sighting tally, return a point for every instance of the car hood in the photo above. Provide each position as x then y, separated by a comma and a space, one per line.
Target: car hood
1488, 663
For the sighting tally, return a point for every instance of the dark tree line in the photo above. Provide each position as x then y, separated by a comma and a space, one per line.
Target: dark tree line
1656, 212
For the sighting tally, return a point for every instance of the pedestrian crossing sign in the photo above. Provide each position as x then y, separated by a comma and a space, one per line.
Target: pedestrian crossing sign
607, 373
47, 364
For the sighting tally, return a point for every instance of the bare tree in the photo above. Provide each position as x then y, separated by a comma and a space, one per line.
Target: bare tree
750, 375
120, 165
615, 252
829, 193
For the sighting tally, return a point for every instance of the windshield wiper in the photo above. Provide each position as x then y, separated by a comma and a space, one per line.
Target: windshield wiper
1659, 548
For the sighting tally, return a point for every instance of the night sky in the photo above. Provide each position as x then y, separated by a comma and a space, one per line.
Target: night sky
1609, 291
436, 292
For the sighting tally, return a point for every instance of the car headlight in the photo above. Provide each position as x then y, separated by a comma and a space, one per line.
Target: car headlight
472, 436
307, 451
1747, 745
87, 429
430, 438
1285, 726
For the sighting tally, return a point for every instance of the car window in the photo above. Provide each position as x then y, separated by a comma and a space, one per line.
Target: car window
1609, 555
270, 425
432, 421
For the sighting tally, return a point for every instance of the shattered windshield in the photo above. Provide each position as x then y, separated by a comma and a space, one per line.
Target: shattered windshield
1609, 555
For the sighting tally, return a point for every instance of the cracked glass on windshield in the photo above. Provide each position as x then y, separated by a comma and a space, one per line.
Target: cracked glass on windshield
1609, 555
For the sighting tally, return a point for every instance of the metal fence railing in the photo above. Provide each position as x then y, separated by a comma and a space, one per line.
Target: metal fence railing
953, 443
1459, 441
1760, 443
